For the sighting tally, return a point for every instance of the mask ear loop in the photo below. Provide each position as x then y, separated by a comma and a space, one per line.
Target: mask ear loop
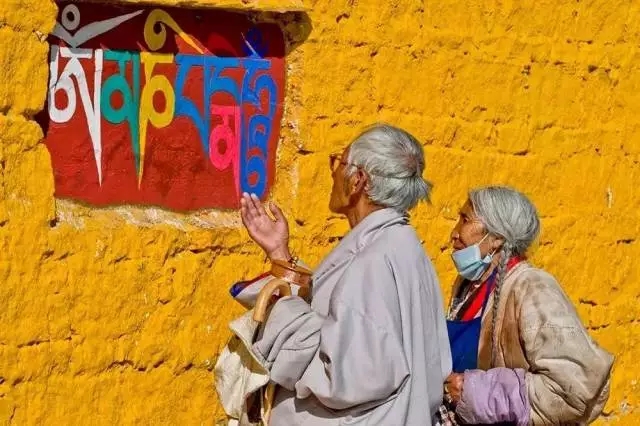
480, 242
483, 238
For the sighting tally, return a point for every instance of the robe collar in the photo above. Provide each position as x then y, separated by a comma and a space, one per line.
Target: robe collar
359, 237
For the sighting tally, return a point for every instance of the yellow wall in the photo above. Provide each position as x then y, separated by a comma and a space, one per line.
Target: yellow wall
121, 323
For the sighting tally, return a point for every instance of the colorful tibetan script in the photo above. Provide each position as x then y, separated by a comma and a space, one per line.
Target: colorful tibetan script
167, 107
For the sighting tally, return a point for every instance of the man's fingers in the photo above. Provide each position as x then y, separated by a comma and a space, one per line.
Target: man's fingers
244, 207
244, 213
257, 205
277, 213
248, 205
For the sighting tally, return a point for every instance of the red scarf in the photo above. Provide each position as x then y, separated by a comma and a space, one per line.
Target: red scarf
476, 305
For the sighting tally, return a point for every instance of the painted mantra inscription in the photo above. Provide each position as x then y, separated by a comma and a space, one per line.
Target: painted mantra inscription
167, 107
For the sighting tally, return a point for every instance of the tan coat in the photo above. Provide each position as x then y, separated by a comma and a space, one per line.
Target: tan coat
540, 331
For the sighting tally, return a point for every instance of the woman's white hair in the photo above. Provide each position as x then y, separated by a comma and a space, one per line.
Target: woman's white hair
510, 215
394, 162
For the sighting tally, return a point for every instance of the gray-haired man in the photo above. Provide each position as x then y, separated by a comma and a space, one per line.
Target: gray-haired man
372, 348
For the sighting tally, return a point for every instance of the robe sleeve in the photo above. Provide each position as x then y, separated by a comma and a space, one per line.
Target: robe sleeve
351, 357
498, 395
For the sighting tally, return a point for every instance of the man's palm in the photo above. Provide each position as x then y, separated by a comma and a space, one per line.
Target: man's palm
271, 235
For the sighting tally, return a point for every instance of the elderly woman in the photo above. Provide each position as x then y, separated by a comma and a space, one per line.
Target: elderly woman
371, 348
520, 353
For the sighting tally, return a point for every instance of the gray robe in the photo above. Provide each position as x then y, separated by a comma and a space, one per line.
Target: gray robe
372, 349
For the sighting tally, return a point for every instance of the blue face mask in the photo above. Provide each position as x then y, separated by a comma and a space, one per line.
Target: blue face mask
469, 261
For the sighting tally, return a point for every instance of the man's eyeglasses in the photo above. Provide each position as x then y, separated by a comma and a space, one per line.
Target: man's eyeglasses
335, 160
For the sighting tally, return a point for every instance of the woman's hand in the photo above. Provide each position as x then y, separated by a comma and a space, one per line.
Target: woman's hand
271, 235
453, 387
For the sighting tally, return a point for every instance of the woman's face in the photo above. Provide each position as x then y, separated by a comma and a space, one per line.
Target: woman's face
469, 230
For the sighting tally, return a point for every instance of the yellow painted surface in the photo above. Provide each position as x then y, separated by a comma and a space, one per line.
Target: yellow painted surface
114, 323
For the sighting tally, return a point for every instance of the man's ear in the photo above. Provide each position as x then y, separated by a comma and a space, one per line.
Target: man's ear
359, 181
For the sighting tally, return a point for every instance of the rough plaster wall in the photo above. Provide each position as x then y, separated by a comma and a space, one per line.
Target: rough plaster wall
121, 324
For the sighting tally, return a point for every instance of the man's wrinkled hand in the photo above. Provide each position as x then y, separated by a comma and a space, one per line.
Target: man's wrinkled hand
272, 235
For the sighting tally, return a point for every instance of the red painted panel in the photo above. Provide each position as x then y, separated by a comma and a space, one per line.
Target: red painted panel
169, 107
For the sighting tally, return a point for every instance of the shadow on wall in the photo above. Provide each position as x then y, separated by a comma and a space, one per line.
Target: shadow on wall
169, 107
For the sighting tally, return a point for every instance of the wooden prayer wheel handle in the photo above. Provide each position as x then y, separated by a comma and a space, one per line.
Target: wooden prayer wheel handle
285, 273
262, 303
291, 273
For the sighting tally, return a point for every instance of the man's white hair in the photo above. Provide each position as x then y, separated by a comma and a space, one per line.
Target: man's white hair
394, 162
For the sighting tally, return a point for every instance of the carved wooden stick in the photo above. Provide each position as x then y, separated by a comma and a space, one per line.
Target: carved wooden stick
262, 303
285, 273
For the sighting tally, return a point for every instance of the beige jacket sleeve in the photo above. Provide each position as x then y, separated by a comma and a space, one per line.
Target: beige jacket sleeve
568, 379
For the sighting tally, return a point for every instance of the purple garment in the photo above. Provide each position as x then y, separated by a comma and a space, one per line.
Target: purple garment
498, 395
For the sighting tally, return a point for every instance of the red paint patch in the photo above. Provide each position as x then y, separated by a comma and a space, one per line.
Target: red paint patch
184, 115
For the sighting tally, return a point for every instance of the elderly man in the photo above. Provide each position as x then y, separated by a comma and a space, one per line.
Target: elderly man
372, 348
